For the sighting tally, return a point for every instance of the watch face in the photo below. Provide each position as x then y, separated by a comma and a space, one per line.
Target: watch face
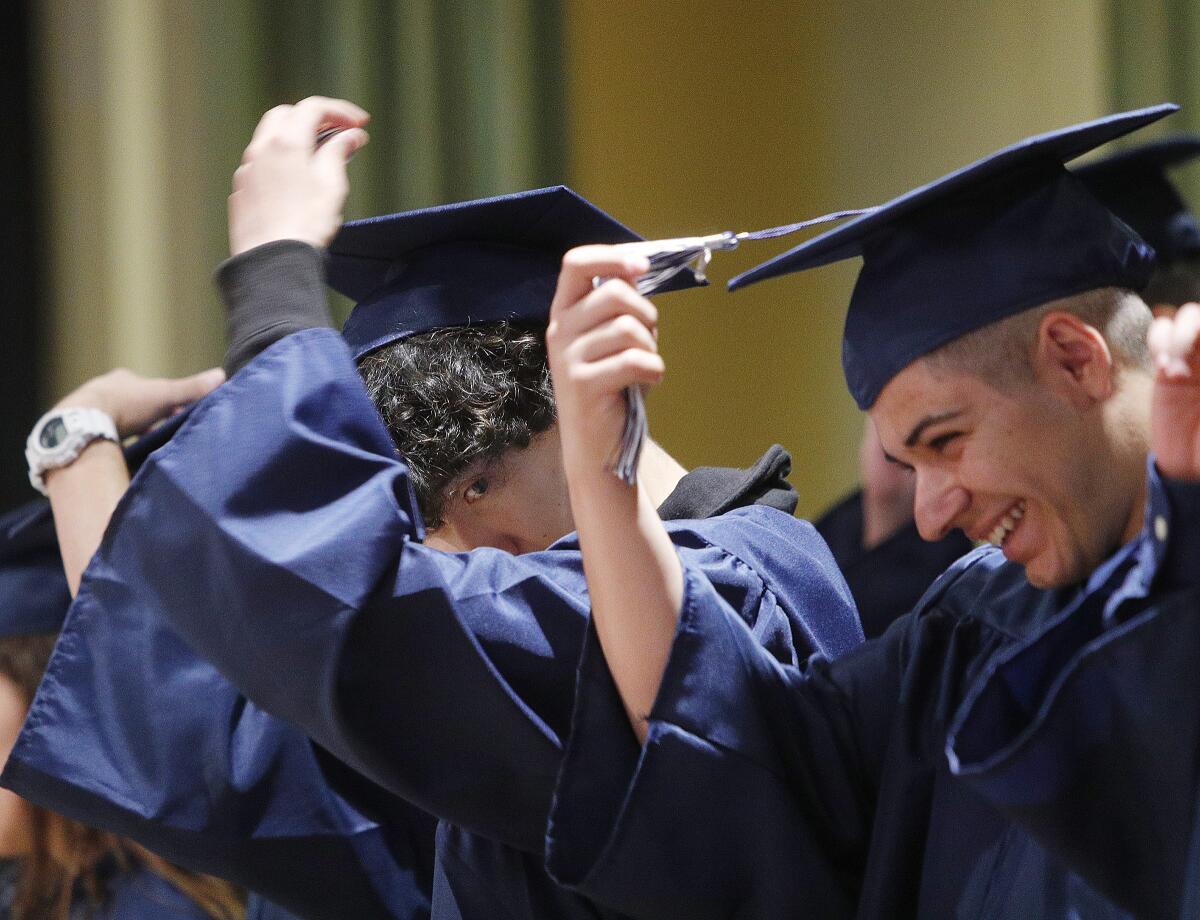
53, 433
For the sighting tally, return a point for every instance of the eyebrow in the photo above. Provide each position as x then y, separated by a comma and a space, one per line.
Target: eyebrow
928, 420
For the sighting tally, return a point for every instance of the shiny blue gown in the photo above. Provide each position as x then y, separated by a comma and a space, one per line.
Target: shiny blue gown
278, 534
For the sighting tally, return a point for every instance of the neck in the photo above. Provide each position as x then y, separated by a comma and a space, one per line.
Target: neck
658, 473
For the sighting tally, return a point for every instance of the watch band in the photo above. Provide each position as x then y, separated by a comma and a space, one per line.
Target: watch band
60, 436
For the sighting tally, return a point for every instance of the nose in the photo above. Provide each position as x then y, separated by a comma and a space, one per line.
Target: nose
939, 504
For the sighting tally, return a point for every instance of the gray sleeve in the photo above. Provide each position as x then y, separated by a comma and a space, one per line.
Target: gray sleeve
270, 292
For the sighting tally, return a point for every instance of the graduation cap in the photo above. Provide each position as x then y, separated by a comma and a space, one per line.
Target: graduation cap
1133, 184
495, 259
1006, 233
466, 263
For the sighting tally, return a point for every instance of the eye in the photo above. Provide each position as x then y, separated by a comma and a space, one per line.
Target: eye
476, 490
942, 440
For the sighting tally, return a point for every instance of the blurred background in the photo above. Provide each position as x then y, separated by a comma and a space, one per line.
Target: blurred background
125, 119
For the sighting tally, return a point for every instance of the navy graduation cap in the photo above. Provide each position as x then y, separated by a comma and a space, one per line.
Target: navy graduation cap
1006, 233
1133, 184
459, 264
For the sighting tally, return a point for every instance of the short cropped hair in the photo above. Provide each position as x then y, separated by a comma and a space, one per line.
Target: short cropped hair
452, 397
1002, 352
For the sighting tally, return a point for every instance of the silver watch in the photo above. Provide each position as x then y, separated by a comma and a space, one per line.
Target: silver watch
60, 436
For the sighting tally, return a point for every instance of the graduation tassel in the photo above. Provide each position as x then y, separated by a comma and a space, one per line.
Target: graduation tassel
668, 258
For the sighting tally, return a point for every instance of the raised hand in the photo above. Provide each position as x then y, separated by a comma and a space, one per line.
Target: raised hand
599, 342
1175, 414
288, 187
135, 402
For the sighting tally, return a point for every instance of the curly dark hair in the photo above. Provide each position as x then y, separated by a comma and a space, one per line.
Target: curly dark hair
452, 397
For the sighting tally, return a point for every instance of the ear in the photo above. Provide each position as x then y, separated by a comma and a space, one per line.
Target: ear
1074, 360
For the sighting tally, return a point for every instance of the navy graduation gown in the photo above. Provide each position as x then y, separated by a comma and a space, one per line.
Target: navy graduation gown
886, 580
1089, 734
771, 790
132, 733
279, 534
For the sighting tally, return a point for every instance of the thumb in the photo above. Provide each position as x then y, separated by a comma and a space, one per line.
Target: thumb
336, 152
189, 389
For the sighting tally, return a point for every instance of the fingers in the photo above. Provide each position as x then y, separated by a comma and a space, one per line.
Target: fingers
297, 125
585, 263
161, 395
310, 115
197, 386
632, 367
616, 335
611, 299
336, 152
1172, 342
267, 126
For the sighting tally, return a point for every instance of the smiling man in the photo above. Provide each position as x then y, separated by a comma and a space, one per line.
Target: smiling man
1031, 434
994, 337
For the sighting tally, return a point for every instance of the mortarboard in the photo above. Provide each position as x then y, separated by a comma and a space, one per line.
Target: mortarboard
1004, 234
1133, 184
471, 262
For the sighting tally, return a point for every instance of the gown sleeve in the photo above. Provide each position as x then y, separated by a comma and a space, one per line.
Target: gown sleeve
278, 533
130, 732
754, 791
1088, 733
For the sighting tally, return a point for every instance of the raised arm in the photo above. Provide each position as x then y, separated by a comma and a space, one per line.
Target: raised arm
599, 342
84, 494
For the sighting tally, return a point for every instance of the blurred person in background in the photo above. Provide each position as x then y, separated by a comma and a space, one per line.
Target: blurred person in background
51, 867
874, 538
1134, 184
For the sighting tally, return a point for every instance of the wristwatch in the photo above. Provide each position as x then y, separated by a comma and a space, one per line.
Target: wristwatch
60, 436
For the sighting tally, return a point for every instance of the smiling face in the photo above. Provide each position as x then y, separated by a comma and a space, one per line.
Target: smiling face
1049, 468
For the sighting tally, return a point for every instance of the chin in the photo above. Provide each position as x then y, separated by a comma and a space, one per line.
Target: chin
1050, 573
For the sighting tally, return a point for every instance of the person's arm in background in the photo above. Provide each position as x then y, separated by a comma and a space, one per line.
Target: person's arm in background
599, 342
84, 494
285, 190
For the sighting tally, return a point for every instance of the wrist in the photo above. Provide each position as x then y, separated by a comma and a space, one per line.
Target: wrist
61, 435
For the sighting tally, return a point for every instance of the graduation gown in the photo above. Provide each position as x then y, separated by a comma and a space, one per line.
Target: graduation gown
888, 579
1089, 733
132, 733
278, 532
772, 790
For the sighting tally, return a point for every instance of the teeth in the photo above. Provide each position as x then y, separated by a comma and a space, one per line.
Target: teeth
1001, 531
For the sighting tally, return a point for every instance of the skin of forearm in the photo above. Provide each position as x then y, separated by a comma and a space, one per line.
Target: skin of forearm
83, 497
635, 580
